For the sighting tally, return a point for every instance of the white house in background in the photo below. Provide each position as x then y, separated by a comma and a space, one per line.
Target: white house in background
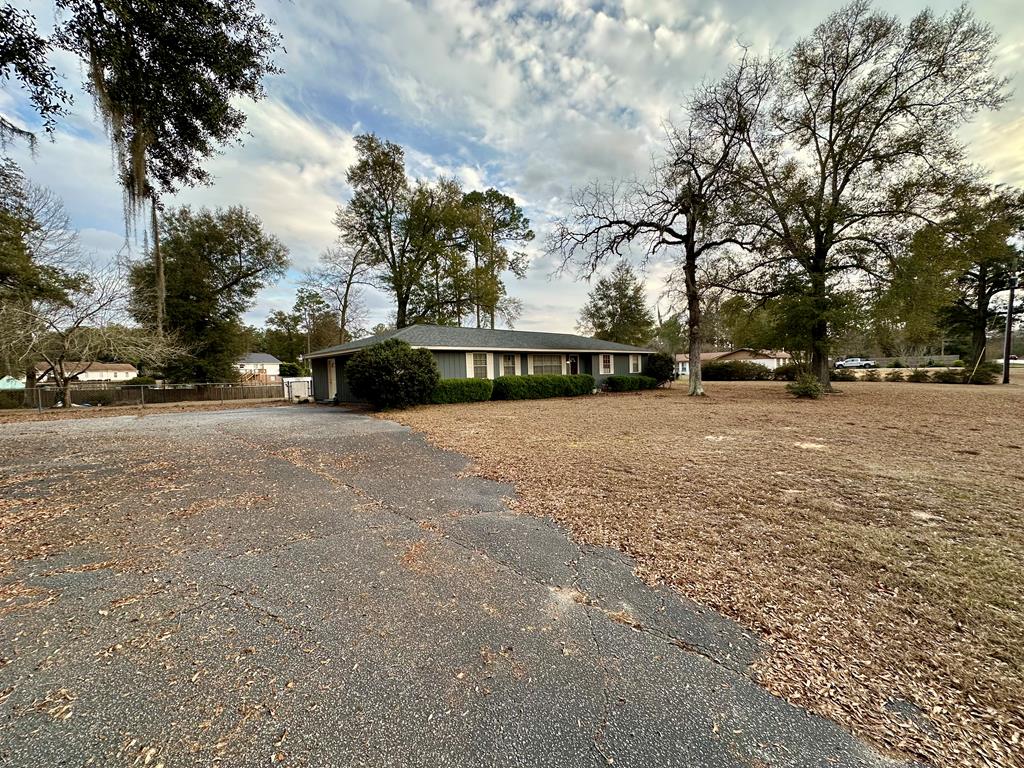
81, 371
259, 366
769, 358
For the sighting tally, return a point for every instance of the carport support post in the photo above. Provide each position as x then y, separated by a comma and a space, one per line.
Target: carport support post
1008, 335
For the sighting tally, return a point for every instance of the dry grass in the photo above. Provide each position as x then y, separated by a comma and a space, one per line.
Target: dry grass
875, 538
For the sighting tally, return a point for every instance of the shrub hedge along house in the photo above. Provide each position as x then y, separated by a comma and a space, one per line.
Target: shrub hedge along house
483, 353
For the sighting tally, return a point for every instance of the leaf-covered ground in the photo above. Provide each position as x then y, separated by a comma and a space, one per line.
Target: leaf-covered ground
874, 538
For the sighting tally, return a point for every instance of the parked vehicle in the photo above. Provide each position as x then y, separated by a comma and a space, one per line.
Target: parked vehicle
856, 362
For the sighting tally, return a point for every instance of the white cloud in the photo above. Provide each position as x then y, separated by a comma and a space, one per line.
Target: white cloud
532, 96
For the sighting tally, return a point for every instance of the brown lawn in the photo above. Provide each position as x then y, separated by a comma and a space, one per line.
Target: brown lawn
875, 539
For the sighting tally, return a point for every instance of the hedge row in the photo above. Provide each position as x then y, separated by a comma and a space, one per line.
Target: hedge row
462, 391
630, 383
542, 385
734, 370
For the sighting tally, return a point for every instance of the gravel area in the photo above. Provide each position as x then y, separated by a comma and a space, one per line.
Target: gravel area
874, 539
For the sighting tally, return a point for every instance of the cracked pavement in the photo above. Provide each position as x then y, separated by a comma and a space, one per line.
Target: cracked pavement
307, 586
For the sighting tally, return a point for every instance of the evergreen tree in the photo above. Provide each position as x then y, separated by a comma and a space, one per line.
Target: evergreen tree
216, 263
616, 309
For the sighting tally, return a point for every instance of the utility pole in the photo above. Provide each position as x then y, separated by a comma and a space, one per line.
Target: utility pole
1008, 335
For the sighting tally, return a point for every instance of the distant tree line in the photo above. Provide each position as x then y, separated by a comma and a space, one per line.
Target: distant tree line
820, 196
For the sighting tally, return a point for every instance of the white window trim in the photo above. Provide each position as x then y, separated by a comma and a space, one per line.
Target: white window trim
611, 364
529, 361
499, 363
470, 367
632, 359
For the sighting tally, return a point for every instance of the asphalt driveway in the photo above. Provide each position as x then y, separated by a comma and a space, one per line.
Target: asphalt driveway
309, 587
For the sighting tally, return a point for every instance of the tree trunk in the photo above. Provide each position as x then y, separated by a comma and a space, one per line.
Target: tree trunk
158, 261
980, 325
819, 328
401, 310
696, 386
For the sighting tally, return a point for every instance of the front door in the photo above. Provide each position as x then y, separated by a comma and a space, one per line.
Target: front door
573, 362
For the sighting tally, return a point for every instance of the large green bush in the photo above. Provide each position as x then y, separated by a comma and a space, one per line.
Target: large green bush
788, 371
896, 375
842, 374
917, 376
734, 370
986, 373
542, 385
806, 385
630, 383
949, 376
661, 367
392, 374
462, 391
872, 374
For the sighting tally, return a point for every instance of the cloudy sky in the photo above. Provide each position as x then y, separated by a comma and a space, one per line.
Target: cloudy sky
533, 97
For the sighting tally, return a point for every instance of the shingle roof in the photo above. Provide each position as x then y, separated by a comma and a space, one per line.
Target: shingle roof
257, 357
80, 367
448, 337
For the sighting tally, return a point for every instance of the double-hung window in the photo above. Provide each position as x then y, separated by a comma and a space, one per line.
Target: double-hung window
634, 363
605, 362
547, 363
480, 365
508, 365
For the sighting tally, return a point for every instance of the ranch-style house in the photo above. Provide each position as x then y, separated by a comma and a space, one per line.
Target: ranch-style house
463, 353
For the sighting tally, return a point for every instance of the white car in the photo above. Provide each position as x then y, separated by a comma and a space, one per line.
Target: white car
856, 362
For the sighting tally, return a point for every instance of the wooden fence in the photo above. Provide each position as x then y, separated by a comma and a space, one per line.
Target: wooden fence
47, 397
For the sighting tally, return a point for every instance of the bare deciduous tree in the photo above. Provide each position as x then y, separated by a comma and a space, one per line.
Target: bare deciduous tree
848, 138
85, 326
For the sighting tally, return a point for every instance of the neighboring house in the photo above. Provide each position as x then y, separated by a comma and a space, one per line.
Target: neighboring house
484, 353
81, 371
259, 366
769, 358
9, 382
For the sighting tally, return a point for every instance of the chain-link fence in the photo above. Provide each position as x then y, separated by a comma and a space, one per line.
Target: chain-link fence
41, 398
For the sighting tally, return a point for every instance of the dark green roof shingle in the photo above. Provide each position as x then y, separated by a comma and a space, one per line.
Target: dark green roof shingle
442, 337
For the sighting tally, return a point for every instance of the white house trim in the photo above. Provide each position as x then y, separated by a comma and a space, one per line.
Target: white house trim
499, 363
599, 364
332, 379
470, 367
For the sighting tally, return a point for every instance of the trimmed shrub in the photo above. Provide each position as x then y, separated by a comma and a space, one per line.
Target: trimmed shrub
895, 375
871, 374
957, 364
806, 385
140, 380
630, 383
392, 374
542, 385
897, 364
462, 391
734, 370
918, 376
661, 367
987, 373
787, 371
949, 376
842, 374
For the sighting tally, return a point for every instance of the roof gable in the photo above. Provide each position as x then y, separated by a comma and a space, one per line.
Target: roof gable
253, 358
